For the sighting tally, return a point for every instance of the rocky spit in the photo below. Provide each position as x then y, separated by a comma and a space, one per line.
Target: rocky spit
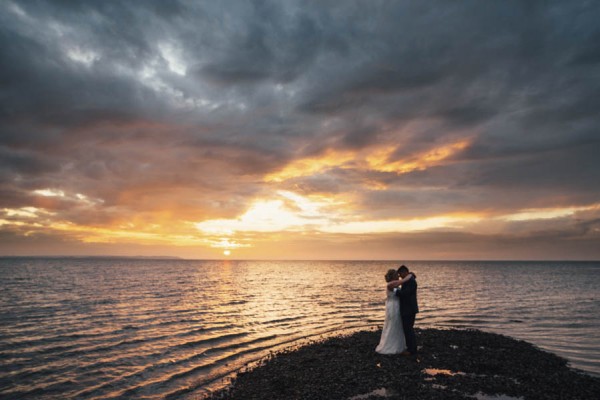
452, 364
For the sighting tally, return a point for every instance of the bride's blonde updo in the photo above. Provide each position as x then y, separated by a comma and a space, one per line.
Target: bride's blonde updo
390, 275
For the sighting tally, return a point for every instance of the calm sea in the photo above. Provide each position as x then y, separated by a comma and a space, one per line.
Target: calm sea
110, 328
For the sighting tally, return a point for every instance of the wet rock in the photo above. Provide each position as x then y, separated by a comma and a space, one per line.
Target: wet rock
472, 363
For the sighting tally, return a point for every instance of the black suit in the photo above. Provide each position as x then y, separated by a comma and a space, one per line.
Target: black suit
408, 311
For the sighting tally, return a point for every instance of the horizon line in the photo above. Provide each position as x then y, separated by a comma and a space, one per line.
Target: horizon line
177, 258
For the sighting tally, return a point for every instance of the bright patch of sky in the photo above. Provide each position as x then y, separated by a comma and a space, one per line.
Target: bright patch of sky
548, 213
173, 56
82, 56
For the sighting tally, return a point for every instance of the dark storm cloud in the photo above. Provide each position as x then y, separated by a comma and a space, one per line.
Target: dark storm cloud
25, 162
273, 45
42, 87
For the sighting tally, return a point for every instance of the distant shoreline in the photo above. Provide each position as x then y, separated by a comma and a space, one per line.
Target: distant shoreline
101, 257
452, 364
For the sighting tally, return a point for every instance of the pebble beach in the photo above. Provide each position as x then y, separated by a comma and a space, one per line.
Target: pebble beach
451, 364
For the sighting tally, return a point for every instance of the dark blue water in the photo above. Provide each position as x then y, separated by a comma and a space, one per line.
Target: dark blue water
102, 328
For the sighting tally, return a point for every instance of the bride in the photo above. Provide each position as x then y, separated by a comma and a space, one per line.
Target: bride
392, 337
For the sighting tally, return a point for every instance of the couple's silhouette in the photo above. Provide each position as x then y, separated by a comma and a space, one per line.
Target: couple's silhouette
401, 308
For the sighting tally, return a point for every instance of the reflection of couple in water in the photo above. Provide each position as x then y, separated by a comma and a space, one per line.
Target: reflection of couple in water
401, 308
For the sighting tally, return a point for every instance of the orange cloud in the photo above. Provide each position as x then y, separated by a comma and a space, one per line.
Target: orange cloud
373, 159
380, 159
312, 165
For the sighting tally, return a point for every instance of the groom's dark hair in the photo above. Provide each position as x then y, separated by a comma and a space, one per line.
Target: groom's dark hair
403, 268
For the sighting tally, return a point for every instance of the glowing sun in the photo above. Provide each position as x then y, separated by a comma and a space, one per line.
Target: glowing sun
227, 252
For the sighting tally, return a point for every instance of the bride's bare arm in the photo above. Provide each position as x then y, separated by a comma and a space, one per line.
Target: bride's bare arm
394, 284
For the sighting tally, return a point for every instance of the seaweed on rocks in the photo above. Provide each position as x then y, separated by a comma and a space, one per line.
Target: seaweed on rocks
451, 364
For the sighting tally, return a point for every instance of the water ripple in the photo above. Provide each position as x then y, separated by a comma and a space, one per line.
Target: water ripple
101, 329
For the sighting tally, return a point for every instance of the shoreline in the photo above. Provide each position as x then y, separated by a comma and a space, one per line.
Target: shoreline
452, 364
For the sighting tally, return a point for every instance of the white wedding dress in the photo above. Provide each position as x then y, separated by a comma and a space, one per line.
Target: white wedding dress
392, 337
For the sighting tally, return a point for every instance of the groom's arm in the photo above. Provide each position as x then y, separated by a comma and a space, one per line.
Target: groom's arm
407, 289
398, 282
394, 284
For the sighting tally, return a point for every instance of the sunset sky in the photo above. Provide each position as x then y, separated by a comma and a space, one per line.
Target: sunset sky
300, 129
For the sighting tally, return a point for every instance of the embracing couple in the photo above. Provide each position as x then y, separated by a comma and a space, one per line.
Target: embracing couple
401, 308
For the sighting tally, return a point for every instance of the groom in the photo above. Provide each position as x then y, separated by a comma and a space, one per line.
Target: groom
408, 310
